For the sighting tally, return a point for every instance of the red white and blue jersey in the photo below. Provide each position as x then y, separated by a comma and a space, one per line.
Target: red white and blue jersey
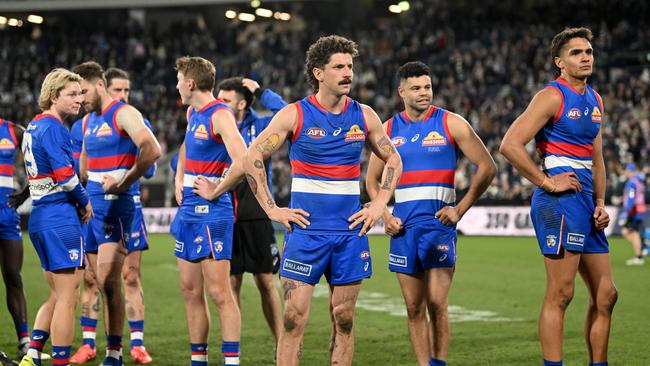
110, 150
429, 155
634, 197
565, 143
325, 152
206, 155
8, 146
53, 184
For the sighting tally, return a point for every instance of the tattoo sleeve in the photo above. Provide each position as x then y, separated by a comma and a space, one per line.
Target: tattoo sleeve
269, 145
252, 183
385, 145
390, 175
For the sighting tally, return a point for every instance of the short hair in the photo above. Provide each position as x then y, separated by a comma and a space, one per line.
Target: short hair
235, 84
319, 53
90, 71
54, 82
565, 36
115, 73
413, 69
198, 69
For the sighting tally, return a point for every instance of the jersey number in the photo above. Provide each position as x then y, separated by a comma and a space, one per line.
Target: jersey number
28, 155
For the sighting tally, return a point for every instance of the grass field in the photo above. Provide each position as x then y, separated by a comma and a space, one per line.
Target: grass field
494, 305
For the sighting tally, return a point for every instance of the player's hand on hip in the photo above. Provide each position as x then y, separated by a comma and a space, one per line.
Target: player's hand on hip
87, 212
448, 215
204, 187
250, 84
109, 184
393, 225
286, 216
601, 217
566, 182
369, 214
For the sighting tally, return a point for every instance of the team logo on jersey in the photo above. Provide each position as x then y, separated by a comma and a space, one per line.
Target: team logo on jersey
434, 139
355, 134
218, 247
364, 255
201, 133
399, 141
74, 254
596, 116
443, 248
316, 133
104, 130
551, 240
135, 235
198, 239
6, 144
574, 113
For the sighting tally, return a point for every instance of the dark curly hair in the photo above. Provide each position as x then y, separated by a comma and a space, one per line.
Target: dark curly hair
319, 53
564, 37
412, 69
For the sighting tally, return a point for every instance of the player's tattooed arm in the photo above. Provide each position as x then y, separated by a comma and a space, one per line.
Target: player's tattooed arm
385, 145
390, 176
270, 140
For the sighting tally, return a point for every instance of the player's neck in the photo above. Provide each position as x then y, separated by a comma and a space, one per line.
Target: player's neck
201, 99
414, 114
54, 112
577, 84
333, 103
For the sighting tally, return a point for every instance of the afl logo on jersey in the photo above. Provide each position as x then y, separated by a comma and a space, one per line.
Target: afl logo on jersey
574, 113
399, 141
104, 130
5, 144
316, 133
434, 139
201, 133
355, 134
596, 116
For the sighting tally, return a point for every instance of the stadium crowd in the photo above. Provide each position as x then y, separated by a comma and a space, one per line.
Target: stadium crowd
485, 68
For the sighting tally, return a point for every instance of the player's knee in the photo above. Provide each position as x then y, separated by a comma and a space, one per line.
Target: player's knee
343, 318
219, 294
294, 320
606, 299
437, 306
109, 285
13, 280
564, 296
131, 277
415, 311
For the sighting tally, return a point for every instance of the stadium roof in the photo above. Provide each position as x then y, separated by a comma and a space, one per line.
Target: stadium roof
44, 5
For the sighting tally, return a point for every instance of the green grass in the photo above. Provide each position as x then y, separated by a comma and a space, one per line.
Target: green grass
502, 277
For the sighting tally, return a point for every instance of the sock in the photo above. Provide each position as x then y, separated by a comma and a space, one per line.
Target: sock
114, 347
137, 333
552, 363
22, 333
604, 363
61, 355
230, 351
437, 362
89, 327
199, 354
39, 337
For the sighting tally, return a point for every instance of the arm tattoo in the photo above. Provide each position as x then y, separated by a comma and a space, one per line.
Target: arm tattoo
269, 197
258, 164
252, 182
390, 175
269, 145
385, 145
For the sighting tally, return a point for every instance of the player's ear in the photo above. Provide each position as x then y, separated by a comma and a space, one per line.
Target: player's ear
191, 84
99, 84
318, 74
558, 62
400, 90
241, 105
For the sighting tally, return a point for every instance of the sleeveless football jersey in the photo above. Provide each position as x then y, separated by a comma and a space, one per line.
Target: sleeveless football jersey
429, 156
8, 146
565, 143
110, 150
206, 155
325, 152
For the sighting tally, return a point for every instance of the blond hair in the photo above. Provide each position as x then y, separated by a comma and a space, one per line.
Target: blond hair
54, 82
198, 69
